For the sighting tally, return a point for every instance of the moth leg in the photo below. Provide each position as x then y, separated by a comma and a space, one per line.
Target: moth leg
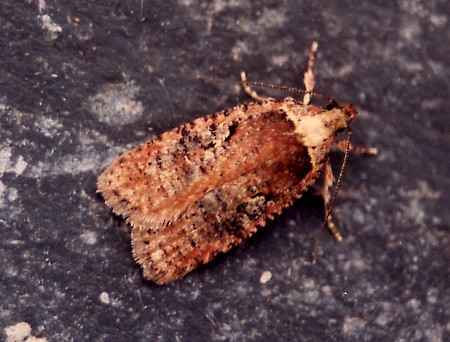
341, 145
308, 76
248, 90
328, 181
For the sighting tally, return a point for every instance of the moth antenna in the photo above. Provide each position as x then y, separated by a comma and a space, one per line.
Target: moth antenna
333, 197
294, 90
273, 86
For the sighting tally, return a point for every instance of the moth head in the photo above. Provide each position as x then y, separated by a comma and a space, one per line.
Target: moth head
349, 111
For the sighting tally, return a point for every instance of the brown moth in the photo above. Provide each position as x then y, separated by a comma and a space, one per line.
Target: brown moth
205, 186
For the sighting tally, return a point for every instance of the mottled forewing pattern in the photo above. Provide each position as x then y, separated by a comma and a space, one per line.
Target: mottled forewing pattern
203, 187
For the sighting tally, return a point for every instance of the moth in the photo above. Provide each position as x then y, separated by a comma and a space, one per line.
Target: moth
205, 186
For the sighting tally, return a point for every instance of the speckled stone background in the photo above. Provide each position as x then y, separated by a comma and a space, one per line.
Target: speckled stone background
82, 82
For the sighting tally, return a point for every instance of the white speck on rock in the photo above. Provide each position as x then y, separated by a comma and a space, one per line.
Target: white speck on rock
265, 277
89, 237
20, 166
353, 325
12, 194
50, 26
104, 298
21, 332
18, 332
2, 193
115, 104
5, 159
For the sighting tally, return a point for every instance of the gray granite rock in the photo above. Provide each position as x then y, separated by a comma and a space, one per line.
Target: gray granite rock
82, 82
